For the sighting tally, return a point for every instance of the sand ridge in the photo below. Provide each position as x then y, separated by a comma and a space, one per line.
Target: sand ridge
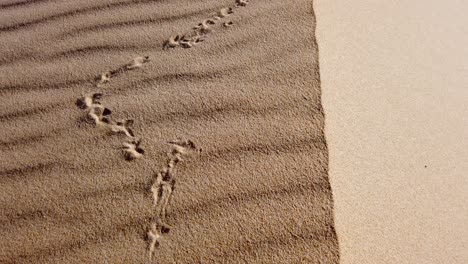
259, 190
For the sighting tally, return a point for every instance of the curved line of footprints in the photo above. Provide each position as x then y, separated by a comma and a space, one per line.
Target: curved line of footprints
199, 33
162, 188
163, 183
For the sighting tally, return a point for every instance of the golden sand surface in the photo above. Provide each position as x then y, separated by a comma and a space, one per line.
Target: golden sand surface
248, 95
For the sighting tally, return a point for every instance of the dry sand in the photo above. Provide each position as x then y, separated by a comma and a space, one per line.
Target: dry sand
395, 90
249, 96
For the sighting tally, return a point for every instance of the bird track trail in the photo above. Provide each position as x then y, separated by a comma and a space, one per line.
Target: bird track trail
163, 184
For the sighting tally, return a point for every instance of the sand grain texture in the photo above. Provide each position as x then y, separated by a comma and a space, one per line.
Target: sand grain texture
249, 95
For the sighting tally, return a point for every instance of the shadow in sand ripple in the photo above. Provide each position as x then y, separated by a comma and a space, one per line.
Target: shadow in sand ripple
287, 146
30, 215
71, 243
131, 23
80, 11
226, 201
21, 172
21, 4
31, 111
72, 53
29, 139
277, 241
45, 86
227, 109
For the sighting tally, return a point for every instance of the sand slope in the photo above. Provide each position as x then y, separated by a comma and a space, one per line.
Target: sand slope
249, 96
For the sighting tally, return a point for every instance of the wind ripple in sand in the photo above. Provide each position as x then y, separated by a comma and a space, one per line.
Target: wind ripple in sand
21, 3
73, 12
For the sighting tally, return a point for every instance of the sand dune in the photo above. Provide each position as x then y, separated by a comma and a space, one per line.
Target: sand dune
248, 95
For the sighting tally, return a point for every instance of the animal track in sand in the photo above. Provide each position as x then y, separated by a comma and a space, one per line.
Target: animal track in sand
203, 27
200, 31
123, 127
135, 63
101, 117
88, 101
224, 12
104, 78
163, 182
172, 42
132, 150
162, 189
153, 236
241, 3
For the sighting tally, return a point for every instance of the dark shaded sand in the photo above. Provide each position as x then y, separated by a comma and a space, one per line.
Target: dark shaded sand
249, 95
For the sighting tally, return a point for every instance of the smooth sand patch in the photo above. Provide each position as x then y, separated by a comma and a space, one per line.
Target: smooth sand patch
395, 97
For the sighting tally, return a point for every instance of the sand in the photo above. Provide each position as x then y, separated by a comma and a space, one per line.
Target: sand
249, 96
395, 97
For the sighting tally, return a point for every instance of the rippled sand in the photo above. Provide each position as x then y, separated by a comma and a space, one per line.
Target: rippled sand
249, 95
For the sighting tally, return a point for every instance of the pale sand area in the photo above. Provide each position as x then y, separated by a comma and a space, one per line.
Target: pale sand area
249, 96
395, 91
